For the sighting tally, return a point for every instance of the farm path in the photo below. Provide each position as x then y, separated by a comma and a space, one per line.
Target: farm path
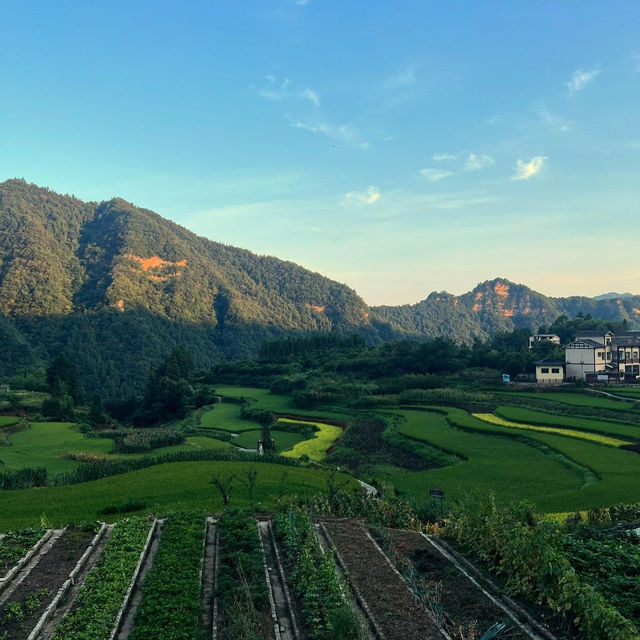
277, 585
393, 607
209, 577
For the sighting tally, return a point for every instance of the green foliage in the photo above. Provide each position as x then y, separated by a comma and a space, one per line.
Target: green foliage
100, 598
15, 545
242, 589
529, 553
145, 440
313, 575
171, 603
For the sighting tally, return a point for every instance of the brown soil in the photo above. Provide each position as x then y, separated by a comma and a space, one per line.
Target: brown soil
50, 573
389, 600
465, 606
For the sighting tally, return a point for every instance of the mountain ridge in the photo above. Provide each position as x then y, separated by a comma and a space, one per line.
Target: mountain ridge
117, 286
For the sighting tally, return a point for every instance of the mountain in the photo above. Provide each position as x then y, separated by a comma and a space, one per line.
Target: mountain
612, 295
499, 305
118, 286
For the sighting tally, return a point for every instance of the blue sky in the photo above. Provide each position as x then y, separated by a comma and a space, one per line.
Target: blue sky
399, 147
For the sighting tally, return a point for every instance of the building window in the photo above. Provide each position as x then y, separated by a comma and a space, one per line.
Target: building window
544, 370
601, 355
555, 370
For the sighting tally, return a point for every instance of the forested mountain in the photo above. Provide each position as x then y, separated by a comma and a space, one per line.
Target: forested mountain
499, 305
116, 287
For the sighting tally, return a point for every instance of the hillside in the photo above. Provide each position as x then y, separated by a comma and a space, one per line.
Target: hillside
500, 305
118, 286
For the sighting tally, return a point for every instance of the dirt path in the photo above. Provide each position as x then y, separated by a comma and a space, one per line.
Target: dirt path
287, 627
388, 599
209, 581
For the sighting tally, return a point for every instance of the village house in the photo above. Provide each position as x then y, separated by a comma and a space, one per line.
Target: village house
603, 356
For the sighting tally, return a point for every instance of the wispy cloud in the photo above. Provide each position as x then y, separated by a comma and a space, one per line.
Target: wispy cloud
433, 175
404, 77
551, 119
370, 195
476, 162
526, 170
276, 89
581, 79
342, 132
441, 157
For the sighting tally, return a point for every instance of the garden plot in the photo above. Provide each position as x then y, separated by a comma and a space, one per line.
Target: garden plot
384, 592
459, 606
98, 609
26, 599
15, 546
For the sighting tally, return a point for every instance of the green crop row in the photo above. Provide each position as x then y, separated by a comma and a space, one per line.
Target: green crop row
15, 545
530, 555
313, 575
171, 605
569, 433
542, 418
99, 600
242, 587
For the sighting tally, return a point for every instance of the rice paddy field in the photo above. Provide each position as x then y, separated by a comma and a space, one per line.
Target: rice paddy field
558, 461
161, 489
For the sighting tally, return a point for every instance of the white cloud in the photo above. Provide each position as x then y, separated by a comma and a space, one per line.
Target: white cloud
581, 79
526, 170
476, 162
274, 89
342, 132
370, 195
311, 95
440, 157
433, 175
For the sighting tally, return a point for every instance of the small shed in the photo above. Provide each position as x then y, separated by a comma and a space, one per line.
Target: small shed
549, 371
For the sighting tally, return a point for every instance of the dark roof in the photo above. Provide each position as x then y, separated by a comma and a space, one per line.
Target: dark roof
626, 341
550, 362
593, 333
591, 343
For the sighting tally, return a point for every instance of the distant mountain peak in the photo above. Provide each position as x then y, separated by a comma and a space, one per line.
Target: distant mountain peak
612, 296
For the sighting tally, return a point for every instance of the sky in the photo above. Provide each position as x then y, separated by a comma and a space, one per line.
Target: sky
399, 147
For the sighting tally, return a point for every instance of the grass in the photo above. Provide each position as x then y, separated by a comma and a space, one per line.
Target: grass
164, 488
570, 433
225, 416
511, 469
264, 399
316, 448
42, 444
615, 470
542, 418
284, 440
7, 421
573, 399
